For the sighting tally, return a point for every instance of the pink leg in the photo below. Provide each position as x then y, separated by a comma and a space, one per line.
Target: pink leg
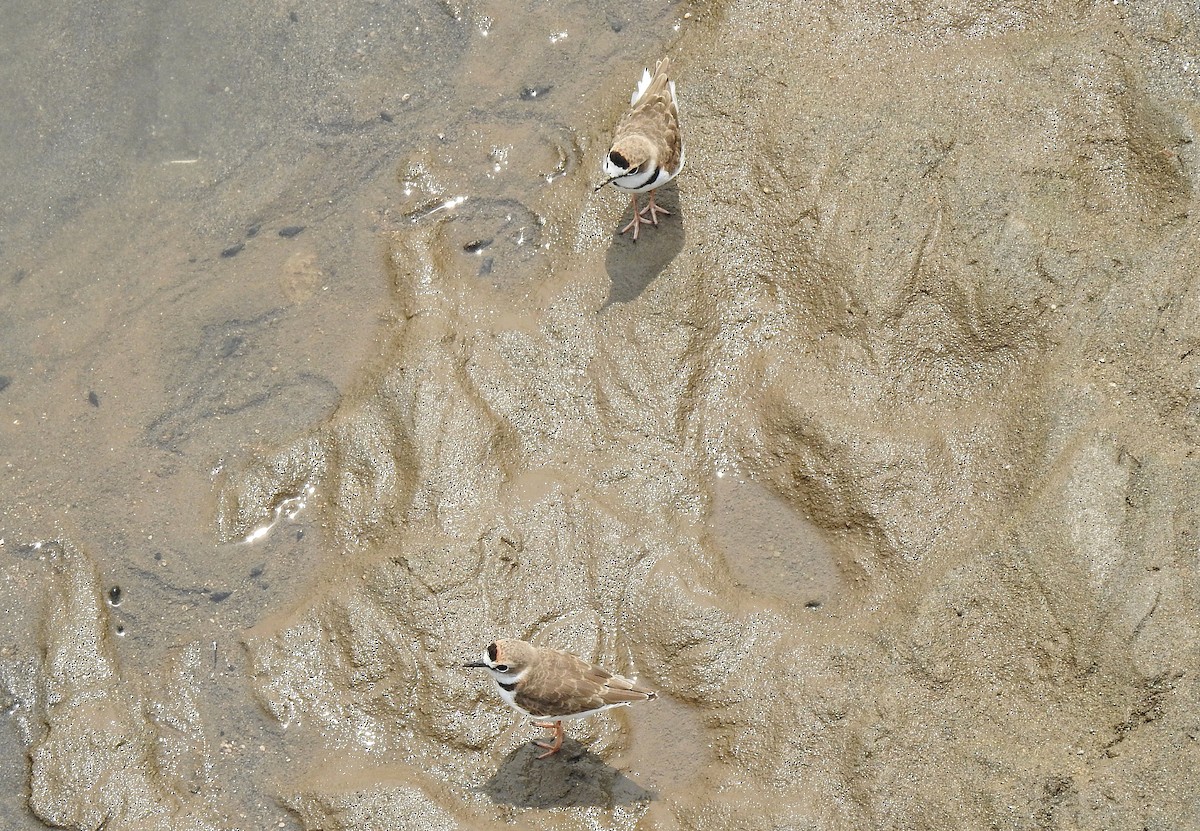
559, 733
636, 221
654, 210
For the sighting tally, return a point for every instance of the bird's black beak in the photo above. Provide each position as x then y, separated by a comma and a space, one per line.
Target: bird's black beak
474, 664
606, 181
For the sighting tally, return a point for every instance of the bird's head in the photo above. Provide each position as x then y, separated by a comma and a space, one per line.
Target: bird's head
506, 660
628, 157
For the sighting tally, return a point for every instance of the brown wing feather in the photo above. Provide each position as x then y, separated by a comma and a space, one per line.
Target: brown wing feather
618, 689
655, 116
658, 83
561, 684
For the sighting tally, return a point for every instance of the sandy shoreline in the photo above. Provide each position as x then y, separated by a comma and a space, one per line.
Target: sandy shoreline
876, 458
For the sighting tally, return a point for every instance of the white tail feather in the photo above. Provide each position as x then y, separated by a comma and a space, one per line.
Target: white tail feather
642, 86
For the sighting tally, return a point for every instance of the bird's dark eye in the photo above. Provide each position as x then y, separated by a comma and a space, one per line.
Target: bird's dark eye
491, 651
501, 667
619, 160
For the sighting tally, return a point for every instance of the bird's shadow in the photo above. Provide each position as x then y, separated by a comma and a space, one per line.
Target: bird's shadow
633, 265
572, 778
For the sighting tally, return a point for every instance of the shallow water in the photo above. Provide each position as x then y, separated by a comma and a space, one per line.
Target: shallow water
771, 551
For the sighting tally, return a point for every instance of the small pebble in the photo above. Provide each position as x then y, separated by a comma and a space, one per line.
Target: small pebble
531, 93
290, 231
233, 250
93, 399
386, 116
114, 595
476, 245
252, 231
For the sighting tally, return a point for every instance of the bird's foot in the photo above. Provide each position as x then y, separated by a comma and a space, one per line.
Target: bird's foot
652, 211
551, 749
635, 223
559, 733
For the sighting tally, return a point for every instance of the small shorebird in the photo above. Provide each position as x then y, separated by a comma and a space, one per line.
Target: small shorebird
554, 686
647, 149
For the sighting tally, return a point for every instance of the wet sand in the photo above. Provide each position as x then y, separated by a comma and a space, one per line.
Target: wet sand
324, 367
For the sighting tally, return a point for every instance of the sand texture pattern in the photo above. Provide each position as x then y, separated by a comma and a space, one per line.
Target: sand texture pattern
928, 294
